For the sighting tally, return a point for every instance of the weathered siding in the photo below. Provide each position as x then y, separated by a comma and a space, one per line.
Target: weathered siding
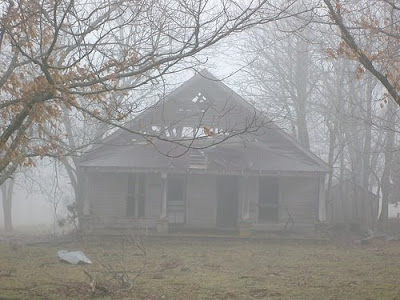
107, 194
201, 206
299, 195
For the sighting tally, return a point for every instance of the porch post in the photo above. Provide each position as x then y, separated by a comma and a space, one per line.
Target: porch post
163, 214
245, 213
322, 200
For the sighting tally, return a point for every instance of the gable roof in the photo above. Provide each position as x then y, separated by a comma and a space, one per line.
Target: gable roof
205, 101
179, 107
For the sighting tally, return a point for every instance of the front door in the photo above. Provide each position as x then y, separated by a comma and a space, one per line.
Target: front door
176, 195
227, 201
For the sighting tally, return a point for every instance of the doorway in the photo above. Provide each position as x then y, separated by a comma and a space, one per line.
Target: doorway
268, 209
176, 199
227, 201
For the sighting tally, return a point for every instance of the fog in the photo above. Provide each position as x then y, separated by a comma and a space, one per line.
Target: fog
211, 149
29, 209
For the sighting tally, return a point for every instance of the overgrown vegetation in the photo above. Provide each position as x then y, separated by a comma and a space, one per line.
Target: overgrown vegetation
203, 269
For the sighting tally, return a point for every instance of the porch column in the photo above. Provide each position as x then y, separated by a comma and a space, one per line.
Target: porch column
245, 213
163, 214
322, 200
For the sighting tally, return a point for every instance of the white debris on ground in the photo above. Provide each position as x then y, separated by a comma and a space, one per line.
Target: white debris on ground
73, 257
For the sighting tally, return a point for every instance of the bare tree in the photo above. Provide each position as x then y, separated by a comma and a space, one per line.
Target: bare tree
280, 75
370, 35
55, 53
338, 103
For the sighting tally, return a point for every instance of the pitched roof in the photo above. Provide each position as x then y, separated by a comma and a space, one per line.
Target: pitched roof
253, 142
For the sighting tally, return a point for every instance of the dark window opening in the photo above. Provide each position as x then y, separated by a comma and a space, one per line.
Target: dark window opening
176, 199
227, 201
136, 195
268, 208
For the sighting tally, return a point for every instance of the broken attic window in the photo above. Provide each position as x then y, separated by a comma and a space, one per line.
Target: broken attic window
201, 101
171, 132
199, 98
187, 132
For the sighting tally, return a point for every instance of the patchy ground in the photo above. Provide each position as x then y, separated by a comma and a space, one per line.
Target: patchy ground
202, 269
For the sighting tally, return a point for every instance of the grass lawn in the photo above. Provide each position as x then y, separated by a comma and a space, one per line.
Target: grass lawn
202, 269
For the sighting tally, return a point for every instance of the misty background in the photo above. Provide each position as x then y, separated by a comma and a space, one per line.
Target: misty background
293, 71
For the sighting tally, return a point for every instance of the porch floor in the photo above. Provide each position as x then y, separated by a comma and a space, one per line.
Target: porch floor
183, 230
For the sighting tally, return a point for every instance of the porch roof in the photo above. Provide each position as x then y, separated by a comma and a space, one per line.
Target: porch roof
234, 155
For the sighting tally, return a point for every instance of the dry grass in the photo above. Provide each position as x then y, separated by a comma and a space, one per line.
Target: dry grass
204, 269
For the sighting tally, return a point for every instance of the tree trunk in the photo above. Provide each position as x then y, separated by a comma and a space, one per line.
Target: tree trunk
366, 164
7, 191
331, 156
301, 81
386, 185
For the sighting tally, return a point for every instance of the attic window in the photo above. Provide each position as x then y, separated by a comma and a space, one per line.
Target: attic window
199, 99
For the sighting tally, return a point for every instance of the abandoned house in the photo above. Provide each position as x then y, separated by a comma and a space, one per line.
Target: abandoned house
208, 160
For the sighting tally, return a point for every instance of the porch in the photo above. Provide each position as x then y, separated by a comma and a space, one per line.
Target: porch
180, 202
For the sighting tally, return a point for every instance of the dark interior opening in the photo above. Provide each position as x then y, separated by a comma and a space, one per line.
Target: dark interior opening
268, 208
136, 195
227, 203
176, 196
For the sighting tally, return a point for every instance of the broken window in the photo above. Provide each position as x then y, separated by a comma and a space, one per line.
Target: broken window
176, 199
268, 208
199, 98
155, 129
188, 132
201, 101
136, 195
